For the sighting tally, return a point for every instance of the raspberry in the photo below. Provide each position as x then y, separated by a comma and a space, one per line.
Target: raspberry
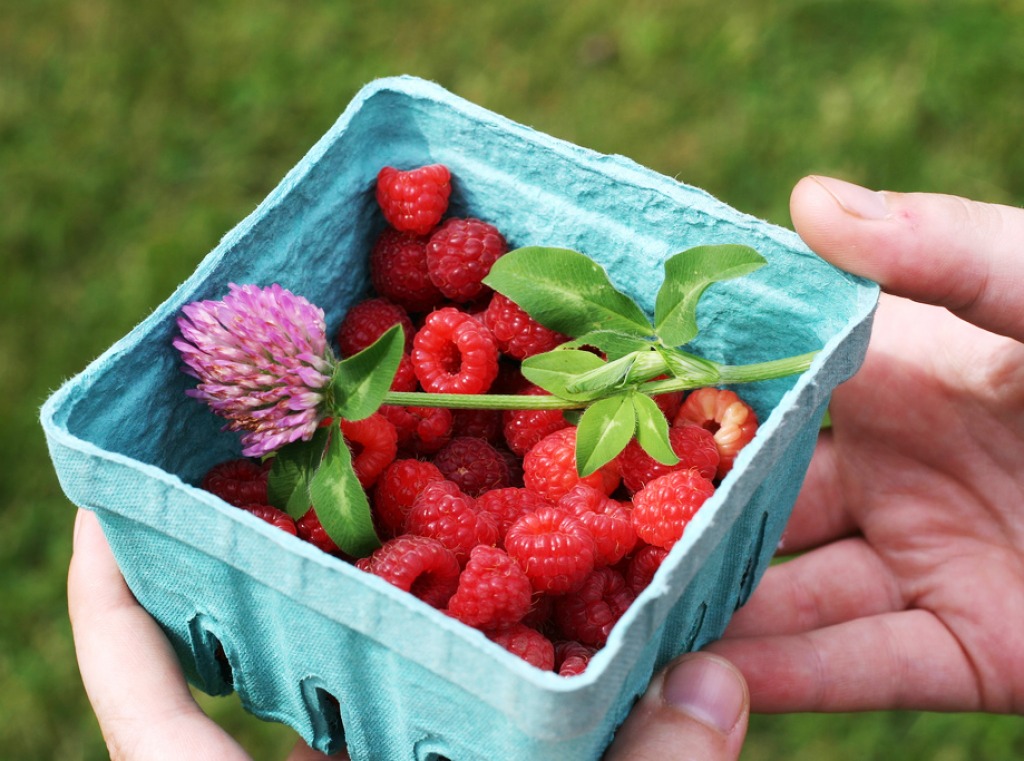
529, 644
405, 375
481, 424
398, 271
274, 517
732, 421
416, 564
668, 403
571, 657
518, 334
420, 430
473, 464
549, 468
367, 321
414, 200
397, 489
238, 482
642, 566
508, 505
524, 428
460, 253
662, 509
589, 613
442, 511
493, 590
374, 444
453, 353
311, 530
694, 446
608, 520
539, 615
555, 549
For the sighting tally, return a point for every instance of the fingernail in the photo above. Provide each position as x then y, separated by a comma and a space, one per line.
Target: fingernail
854, 199
707, 689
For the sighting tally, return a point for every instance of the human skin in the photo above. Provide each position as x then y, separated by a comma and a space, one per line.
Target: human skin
909, 593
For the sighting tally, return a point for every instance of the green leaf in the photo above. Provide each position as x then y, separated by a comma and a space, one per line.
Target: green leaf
689, 367
554, 370
361, 381
604, 430
687, 276
610, 375
614, 343
340, 502
291, 471
565, 291
652, 430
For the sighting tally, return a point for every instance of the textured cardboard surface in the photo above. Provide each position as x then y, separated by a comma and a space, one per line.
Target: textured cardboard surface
312, 642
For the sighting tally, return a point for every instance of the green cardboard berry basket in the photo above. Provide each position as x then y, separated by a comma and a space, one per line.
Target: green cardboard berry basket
339, 655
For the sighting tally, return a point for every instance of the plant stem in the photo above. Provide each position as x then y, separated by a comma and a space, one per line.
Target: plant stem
728, 374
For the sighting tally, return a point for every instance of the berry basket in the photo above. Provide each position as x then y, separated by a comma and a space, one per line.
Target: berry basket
342, 656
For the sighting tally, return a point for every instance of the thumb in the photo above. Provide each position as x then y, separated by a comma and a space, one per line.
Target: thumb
697, 708
937, 249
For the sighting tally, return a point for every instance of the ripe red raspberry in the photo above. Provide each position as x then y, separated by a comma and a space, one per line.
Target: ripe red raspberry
732, 421
367, 321
508, 505
529, 644
493, 590
549, 468
555, 549
442, 511
311, 530
398, 271
453, 353
539, 615
460, 253
663, 508
608, 520
572, 658
420, 430
414, 200
473, 464
588, 614
694, 446
481, 424
405, 375
374, 444
518, 335
642, 566
416, 564
238, 482
668, 403
524, 428
274, 517
397, 489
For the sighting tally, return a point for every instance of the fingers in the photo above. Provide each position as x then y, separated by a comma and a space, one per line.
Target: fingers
697, 708
831, 585
938, 249
906, 660
130, 672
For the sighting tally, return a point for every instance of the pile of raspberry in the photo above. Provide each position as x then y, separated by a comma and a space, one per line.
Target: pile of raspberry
481, 512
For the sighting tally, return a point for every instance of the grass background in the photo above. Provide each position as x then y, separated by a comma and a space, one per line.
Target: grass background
133, 135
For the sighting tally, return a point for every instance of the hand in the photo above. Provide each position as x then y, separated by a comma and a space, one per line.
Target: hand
131, 674
910, 593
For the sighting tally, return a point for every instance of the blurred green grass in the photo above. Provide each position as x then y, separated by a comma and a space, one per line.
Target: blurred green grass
133, 135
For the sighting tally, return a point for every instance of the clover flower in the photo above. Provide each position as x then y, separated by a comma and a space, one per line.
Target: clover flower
262, 361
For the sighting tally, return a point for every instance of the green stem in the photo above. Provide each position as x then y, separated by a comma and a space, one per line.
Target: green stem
480, 401
728, 374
